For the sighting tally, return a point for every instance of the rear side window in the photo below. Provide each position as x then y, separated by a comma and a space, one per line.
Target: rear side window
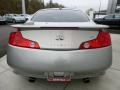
60, 16
109, 17
117, 16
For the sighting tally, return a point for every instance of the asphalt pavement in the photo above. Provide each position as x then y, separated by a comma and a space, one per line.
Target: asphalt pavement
4, 34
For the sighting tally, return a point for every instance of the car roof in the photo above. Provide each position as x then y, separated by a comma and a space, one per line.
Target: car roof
72, 9
113, 14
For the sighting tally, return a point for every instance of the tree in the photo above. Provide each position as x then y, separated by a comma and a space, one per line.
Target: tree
34, 5
53, 5
10, 6
15, 6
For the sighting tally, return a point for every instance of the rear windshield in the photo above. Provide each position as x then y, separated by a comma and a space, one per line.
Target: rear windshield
60, 16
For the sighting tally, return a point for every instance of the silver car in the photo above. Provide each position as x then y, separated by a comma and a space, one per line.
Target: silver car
60, 45
2, 20
14, 18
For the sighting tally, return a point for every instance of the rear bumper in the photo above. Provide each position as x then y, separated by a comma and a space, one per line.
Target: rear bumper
34, 61
3, 22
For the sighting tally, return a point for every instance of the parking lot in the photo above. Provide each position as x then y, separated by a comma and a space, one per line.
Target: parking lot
4, 34
109, 81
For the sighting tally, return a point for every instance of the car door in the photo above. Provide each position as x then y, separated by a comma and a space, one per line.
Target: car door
117, 20
9, 18
109, 20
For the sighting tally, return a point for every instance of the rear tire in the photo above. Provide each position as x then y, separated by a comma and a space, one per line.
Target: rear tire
86, 80
32, 79
14, 21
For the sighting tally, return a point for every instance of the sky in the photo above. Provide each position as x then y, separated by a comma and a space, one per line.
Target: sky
83, 4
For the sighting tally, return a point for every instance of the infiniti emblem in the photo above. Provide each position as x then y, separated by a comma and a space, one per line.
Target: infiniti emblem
60, 37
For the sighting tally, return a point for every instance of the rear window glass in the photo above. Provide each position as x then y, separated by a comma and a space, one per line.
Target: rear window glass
60, 16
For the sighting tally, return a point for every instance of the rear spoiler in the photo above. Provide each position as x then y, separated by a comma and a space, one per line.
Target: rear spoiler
83, 25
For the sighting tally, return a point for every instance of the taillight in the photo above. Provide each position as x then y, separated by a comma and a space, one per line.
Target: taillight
16, 39
103, 40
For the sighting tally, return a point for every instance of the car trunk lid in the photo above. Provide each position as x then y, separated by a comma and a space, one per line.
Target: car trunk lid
65, 36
